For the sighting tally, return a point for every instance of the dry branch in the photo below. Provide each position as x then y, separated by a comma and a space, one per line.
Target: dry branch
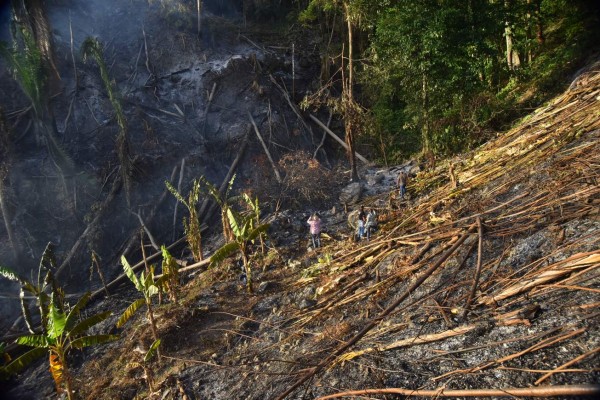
266, 149
380, 317
544, 391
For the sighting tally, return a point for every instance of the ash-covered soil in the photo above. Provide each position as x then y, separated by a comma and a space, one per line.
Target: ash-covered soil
405, 311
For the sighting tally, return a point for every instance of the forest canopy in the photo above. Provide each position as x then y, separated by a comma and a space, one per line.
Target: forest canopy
439, 76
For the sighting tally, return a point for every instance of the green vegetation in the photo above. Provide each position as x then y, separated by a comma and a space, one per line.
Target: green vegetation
64, 331
61, 328
245, 230
435, 76
192, 227
147, 287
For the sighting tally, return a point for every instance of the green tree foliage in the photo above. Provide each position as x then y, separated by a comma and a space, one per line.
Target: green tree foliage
436, 75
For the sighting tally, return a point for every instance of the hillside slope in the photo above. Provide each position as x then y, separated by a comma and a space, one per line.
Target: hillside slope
407, 311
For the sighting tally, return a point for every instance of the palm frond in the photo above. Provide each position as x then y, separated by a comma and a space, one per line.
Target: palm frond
57, 321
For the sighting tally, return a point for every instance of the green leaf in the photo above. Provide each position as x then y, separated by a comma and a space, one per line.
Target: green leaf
152, 350
74, 313
130, 274
87, 341
10, 274
40, 341
25, 359
233, 222
57, 321
128, 313
257, 231
224, 252
88, 323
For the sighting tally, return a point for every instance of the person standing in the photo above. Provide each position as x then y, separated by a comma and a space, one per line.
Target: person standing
315, 229
402, 182
362, 219
370, 223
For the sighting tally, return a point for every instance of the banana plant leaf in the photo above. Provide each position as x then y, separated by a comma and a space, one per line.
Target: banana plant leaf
128, 313
87, 341
88, 323
131, 275
74, 313
25, 359
34, 341
152, 350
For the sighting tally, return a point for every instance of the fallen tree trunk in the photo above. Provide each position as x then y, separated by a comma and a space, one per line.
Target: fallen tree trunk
264, 145
337, 139
543, 391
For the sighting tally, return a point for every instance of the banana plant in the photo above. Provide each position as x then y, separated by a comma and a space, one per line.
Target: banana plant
245, 233
144, 284
39, 290
145, 364
254, 208
169, 282
193, 230
64, 331
224, 201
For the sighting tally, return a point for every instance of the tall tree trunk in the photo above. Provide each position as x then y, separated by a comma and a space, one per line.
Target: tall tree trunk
350, 117
425, 129
512, 57
541, 39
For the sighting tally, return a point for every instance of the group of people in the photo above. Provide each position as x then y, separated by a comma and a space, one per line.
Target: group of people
367, 219
367, 223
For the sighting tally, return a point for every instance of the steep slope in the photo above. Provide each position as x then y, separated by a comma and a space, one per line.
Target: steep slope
492, 283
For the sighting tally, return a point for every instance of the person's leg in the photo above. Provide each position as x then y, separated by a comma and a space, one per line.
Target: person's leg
318, 240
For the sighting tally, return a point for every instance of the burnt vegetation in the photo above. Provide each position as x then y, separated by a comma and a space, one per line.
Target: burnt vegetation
185, 160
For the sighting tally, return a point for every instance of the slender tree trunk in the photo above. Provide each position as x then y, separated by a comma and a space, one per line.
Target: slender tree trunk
199, 7
538, 17
425, 129
512, 57
350, 117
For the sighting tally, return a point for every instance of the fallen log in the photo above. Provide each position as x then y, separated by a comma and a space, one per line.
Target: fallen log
275, 170
543, 391
337, 139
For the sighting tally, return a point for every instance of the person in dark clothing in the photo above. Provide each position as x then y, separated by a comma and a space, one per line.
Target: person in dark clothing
402, 182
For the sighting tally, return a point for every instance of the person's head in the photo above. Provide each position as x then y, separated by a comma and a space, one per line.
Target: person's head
313, 216
362, 208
